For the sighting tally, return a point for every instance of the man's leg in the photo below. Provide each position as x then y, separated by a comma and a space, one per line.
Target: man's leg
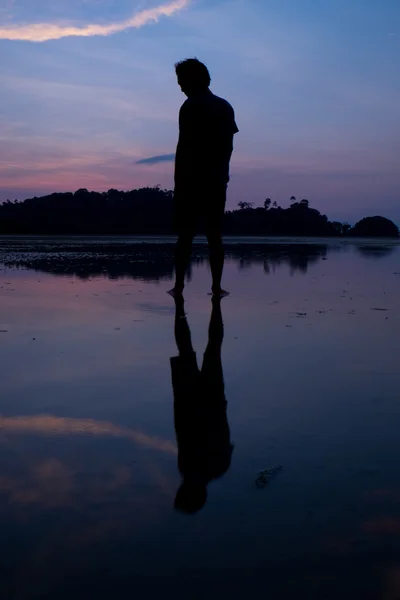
212, 355
183, 252
185, 226
217, 258
214, 221
182, 332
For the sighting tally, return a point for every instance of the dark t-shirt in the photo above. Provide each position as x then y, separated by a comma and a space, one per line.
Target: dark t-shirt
206, 129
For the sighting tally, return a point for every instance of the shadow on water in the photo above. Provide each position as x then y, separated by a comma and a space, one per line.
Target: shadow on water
375, 251
147, 261
201, 424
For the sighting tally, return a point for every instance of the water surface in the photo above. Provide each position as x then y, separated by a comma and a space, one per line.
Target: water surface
88, 462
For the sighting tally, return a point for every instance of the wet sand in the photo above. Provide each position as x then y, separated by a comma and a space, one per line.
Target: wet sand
88, 461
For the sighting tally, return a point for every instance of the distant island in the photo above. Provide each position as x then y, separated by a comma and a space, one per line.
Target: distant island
148, 211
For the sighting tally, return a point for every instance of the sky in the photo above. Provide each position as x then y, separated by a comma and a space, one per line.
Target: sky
89, 96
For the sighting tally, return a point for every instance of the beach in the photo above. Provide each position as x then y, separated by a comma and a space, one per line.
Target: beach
88, 469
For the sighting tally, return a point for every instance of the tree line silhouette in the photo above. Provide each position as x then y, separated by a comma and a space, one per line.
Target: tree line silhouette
148, 211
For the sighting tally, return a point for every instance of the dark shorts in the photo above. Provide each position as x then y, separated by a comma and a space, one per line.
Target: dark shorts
192, 208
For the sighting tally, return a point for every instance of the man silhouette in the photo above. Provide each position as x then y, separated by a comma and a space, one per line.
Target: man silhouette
206, 129
201, 425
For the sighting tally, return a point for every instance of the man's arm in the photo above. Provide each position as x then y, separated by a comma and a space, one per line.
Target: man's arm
182, 149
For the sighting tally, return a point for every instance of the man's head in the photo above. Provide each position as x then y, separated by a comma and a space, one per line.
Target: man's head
193, 76
191, 497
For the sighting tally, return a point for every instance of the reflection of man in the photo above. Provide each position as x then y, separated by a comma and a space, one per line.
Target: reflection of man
206, 129
202, 430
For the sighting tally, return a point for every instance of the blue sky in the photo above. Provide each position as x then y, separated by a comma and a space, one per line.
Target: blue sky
89, 91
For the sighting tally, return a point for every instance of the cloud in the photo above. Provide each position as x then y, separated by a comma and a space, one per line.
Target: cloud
153, 160
43, 32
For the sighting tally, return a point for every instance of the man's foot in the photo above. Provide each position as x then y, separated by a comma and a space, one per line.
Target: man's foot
176, 292
219, 293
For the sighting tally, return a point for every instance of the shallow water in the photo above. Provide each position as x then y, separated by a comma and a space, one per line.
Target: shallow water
88, 461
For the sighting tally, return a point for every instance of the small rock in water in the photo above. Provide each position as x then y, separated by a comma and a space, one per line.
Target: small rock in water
264, 477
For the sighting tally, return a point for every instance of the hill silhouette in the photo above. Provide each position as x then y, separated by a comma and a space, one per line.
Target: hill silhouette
375, 227
148, 211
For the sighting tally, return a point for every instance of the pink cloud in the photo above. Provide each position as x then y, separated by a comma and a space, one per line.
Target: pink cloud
43, 32
59, 426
